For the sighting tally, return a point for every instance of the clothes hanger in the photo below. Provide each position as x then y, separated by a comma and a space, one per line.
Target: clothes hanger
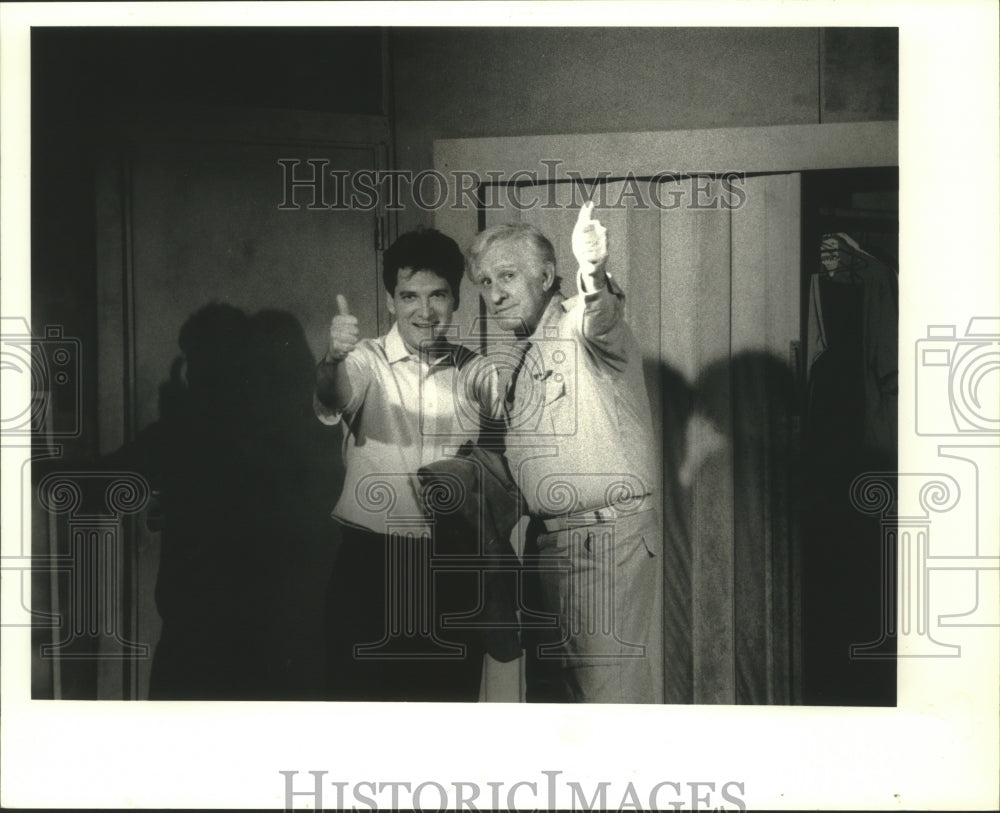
839, 257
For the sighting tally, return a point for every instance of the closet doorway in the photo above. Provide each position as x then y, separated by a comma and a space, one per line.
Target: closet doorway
850, 354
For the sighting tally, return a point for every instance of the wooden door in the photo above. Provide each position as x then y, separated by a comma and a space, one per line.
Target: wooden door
193, 216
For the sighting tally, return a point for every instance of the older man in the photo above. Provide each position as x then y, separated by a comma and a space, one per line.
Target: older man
580, 446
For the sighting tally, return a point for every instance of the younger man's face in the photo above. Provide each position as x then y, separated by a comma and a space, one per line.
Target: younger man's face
423, 305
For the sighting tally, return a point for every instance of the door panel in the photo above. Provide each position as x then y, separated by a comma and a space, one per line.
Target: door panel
765, 322
695, 249
191, 220
206, 226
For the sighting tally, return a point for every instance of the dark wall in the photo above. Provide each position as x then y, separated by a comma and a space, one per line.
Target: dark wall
859, 74
82, 76
84, 79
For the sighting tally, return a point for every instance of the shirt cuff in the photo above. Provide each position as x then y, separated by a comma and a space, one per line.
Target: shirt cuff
589, 296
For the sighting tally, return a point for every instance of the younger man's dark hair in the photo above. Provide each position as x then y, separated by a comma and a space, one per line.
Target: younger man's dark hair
424, 250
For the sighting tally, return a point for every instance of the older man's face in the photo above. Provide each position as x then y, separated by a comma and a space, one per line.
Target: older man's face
515, 284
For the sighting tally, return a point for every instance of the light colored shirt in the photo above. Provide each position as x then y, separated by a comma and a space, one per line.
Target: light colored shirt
405, 411
580, 433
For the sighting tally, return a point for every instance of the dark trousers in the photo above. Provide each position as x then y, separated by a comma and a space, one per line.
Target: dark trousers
387, 639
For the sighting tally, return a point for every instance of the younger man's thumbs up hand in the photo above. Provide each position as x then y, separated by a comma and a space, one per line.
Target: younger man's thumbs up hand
343, 332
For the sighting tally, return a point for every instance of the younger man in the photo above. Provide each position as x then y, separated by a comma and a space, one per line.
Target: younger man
407, 398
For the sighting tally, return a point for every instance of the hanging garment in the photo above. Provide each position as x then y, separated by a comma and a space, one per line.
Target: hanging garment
850, 429
844, 262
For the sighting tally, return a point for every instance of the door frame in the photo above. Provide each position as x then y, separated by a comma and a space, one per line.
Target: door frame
751, 150
554, 158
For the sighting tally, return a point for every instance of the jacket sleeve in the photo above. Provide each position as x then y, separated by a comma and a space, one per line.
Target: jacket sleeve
599, 318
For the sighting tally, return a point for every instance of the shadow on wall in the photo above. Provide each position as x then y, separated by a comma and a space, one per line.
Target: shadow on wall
778, 588
672, 401
244, 477
751, 399
727, 441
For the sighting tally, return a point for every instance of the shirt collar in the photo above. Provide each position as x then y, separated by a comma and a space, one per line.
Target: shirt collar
393, 345
395, 350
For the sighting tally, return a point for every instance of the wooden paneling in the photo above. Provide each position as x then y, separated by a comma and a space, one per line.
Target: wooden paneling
695, 338
765, 320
